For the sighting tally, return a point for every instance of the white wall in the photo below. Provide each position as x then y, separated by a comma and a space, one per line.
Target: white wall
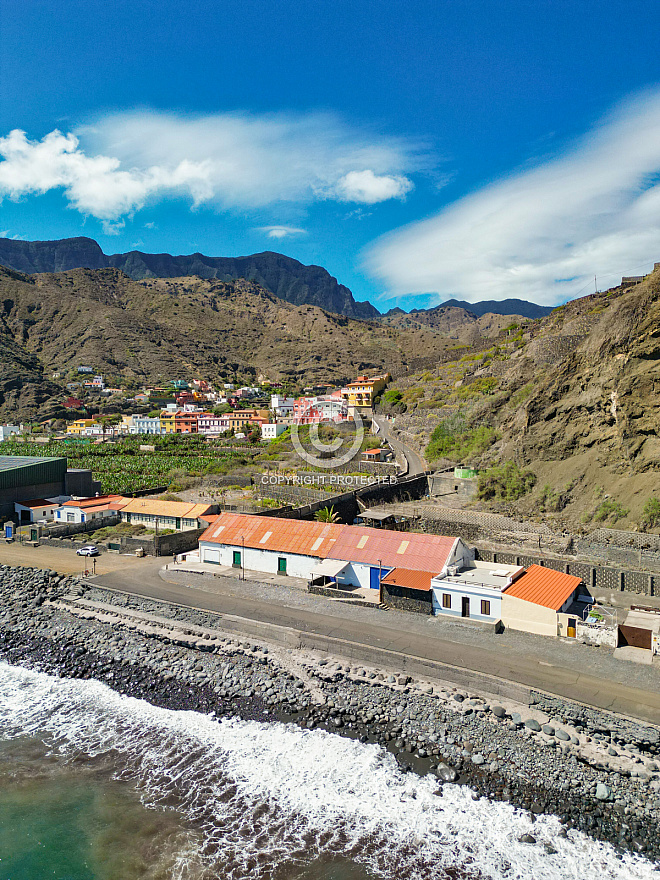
258, 560
471, 592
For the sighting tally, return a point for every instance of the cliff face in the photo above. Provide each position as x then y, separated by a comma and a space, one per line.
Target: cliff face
281, 275
574, 396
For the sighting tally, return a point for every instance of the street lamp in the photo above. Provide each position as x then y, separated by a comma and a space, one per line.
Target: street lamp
242, 557
380, 581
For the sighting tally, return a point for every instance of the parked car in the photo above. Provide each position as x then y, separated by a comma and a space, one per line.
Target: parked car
88, 550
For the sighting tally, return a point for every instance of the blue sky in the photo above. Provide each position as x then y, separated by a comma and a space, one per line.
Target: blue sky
417, 150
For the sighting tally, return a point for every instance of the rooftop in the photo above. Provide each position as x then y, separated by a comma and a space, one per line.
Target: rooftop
154, 507
544, 586
271, 533
9, 462
486, 574
406, 577
394, 549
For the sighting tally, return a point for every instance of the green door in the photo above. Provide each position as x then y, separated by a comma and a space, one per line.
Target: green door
178, 523
237, 559
281, 565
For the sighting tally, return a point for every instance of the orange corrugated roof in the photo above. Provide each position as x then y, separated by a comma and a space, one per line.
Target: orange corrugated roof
394, 549
98, 501
272, 533
406, 577
154, 507
544, 586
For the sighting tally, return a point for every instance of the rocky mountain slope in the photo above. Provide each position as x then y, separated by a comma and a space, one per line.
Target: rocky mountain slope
574, 396
158, 329
281, 275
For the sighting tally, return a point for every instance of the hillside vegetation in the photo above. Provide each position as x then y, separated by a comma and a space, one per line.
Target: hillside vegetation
573, 397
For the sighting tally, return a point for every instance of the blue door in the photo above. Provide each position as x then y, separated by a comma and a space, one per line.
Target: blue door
374, 581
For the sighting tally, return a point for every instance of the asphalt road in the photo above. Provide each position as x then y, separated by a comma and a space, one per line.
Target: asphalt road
416, 464
390, 634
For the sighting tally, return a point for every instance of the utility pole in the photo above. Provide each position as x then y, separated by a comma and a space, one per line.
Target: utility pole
595, 284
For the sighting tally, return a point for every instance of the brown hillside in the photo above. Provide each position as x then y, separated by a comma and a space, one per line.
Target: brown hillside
574, 396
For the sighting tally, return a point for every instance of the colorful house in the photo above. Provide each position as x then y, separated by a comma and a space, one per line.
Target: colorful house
364, 390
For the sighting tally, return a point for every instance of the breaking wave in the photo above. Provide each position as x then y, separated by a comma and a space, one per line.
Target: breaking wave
265, 795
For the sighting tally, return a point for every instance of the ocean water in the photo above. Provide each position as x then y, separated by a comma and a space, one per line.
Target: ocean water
96, 786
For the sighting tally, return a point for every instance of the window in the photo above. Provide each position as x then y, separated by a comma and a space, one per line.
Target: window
485, 608
446, 600
70, 517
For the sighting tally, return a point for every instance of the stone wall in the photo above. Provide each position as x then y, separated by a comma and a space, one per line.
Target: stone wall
591, 634
92, 525
405, 599
595, 577
448, 484
162, 545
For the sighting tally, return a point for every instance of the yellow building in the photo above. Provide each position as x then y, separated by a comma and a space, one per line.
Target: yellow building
80, 426
167, 422
364, 390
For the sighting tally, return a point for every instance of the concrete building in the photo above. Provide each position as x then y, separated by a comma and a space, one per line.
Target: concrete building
473, 591
209, 424
272, 430
7, 431
81, 510
38, 510
540, 601
362, 393
25, 477
346, 556
180, 516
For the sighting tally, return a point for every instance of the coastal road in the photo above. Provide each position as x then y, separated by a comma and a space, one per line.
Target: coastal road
399, 639
416, 464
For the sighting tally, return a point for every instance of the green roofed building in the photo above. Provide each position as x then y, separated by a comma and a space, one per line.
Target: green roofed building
25, 477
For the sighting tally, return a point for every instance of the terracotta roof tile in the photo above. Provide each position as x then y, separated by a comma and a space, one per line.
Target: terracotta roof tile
154, 507
544, 586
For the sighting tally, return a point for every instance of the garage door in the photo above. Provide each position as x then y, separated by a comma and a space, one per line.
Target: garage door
635, 637
212, 556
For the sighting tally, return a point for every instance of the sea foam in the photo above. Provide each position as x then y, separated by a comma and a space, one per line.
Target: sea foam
264, 794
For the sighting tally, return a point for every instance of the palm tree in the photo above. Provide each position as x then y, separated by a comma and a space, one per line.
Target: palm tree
327, 515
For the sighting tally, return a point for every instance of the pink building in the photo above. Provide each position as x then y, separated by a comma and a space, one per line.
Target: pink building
326, 408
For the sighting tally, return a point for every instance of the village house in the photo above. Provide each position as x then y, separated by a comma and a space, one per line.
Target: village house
7, 431
38, 510
85, 428
168, 421
81, 510
141, 424
362, 393
185, 422
272, 430
348, 556
312, 410
179, 516
473, 591
209, 424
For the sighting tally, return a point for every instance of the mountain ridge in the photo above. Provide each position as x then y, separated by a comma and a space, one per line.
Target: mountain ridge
287, 278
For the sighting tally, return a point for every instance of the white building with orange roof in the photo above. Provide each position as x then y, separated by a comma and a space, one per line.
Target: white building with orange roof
81, 510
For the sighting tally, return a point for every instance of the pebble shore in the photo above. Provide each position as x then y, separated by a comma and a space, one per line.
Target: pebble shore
598, 772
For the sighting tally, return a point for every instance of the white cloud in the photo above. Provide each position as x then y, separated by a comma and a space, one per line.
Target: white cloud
369, 188
114, 167
281, 231
542, 233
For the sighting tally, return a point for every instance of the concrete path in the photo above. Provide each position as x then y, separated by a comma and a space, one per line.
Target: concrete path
566, 669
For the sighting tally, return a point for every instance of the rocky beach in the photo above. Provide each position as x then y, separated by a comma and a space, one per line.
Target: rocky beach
597, 772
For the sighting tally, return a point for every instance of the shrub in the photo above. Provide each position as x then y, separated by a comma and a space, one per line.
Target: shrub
610, 510
452, 439
651, 513
505, 482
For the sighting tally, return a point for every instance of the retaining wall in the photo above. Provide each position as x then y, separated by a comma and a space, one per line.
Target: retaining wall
595, 577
